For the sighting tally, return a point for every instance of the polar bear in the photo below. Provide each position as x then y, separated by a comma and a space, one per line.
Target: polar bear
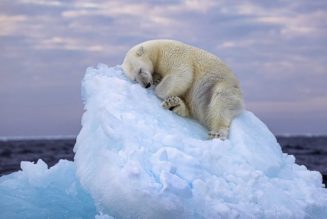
190, 81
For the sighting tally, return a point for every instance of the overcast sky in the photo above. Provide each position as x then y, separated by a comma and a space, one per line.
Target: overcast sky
278, 49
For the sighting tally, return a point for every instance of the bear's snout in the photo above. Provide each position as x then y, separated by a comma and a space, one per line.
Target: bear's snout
144, 79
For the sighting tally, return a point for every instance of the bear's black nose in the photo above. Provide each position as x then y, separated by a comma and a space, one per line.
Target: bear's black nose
148, 85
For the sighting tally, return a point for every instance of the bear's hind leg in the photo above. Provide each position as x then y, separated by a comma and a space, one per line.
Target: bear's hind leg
177, 105
224, 105
219, 128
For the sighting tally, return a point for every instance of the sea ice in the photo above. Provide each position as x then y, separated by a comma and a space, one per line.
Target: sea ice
138, 160
39, 192
134, 159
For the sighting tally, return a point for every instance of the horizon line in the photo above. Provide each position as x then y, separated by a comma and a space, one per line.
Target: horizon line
67, 137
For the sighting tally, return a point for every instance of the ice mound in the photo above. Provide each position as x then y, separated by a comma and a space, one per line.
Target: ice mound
39, 192
138, 160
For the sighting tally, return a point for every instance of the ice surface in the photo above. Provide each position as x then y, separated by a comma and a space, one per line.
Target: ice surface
136, 160
140, 161
39, 192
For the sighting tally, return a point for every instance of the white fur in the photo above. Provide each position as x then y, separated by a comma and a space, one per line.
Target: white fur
193, 82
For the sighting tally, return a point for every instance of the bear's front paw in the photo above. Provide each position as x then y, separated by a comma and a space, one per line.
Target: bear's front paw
171, 102
156, 79
221, 134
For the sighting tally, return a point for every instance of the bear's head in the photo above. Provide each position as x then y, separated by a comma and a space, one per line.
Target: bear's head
138, 66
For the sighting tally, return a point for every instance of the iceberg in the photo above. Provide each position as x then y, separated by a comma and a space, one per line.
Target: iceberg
138, 160
134, 159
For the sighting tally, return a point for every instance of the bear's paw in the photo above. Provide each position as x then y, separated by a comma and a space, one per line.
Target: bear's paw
222, 134
171, 102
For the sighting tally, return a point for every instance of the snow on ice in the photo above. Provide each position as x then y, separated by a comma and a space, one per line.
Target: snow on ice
137, 160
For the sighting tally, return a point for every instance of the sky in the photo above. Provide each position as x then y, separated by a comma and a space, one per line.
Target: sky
277, 49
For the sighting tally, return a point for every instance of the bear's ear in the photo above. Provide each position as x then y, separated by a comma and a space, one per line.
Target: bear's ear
140, 51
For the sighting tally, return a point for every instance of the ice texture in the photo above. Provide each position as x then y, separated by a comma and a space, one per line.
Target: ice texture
39, 192
138, 160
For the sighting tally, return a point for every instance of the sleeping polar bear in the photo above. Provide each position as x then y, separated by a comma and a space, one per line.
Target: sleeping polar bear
189, 80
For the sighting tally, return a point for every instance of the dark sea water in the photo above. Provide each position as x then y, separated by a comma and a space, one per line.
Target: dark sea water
308, 151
